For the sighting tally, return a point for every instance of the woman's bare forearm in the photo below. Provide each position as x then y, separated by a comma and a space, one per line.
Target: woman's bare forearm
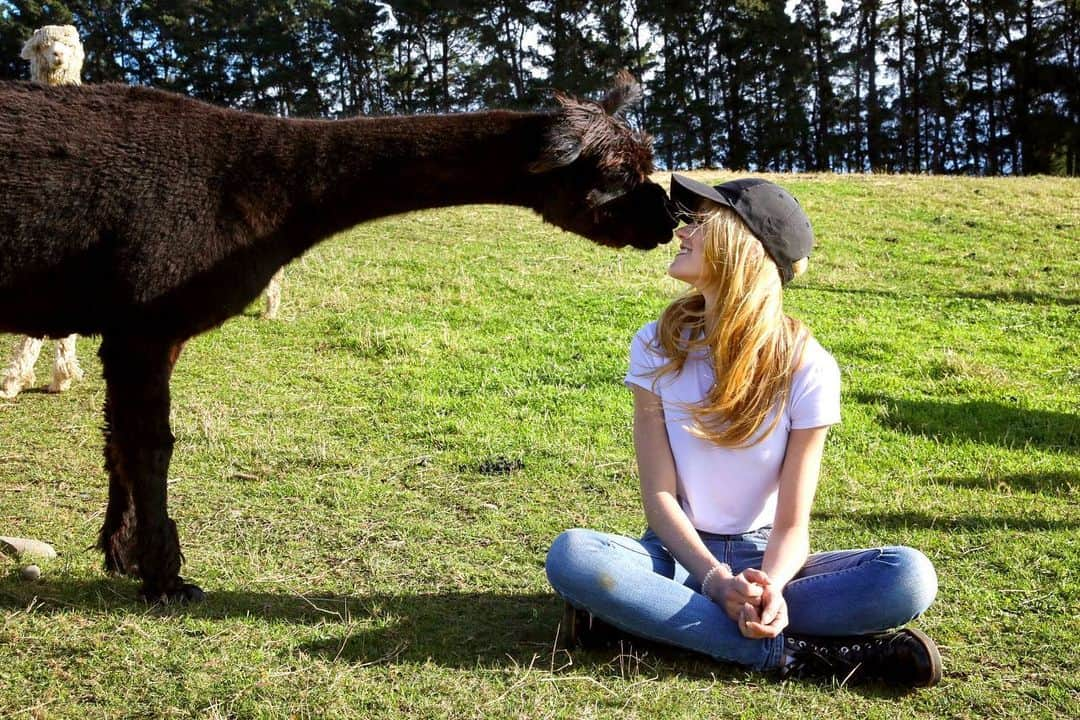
785, 554
789, 543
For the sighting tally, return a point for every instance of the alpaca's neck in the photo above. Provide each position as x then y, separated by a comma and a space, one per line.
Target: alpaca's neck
355, 170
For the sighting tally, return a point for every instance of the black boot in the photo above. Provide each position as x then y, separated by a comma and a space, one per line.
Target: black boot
580, 629
905, 657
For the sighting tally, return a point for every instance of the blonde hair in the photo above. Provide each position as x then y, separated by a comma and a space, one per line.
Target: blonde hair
754, 347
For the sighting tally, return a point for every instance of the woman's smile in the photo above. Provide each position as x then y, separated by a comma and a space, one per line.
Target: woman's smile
686, 265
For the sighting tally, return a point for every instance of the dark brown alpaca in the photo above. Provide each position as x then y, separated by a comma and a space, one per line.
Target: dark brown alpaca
156, 217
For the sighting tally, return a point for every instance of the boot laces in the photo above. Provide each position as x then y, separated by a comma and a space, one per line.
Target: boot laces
833, 656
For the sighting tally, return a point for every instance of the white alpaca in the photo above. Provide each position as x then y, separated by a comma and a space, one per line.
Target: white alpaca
55, 54
56, 57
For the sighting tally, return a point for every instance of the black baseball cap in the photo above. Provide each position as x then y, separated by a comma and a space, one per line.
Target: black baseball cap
771, 212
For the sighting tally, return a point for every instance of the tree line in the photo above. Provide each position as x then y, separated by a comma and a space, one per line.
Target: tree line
941, 86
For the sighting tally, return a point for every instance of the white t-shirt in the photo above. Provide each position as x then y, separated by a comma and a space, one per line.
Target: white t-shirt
732, 490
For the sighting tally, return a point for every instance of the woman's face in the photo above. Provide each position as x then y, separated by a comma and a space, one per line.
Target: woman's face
690, 262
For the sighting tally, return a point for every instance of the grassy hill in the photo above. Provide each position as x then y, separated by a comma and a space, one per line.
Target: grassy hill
367, 487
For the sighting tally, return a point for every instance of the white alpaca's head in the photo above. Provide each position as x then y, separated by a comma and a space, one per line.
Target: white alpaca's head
55, 54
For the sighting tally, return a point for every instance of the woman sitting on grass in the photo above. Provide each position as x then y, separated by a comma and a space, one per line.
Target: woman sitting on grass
732, 402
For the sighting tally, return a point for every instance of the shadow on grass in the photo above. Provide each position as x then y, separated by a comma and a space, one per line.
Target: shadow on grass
452, 629
1022, 296
853, 291
981, 421
926, 521
1065, 484
1025, 297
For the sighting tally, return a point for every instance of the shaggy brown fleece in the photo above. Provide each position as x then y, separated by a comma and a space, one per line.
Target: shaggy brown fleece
160, 217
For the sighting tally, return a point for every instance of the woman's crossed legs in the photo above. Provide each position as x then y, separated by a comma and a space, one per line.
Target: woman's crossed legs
638, 587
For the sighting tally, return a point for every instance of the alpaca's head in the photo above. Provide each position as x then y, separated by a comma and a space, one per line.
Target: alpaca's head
55, 54
598, 171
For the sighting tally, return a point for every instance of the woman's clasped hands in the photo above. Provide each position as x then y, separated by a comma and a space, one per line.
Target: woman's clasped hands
753, 602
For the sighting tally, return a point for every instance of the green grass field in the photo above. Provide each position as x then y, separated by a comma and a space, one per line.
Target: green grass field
366, 488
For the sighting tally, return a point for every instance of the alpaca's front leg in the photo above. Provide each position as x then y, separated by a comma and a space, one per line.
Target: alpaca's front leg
65, 365
117, 536
20, 371
139, 446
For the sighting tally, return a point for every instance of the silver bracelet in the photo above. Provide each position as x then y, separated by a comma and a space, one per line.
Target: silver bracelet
708, 576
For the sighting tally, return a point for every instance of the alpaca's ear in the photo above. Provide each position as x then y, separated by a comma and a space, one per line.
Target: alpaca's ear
28, 48
626, 92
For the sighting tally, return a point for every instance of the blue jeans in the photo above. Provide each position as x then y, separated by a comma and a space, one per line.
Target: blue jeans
637, 586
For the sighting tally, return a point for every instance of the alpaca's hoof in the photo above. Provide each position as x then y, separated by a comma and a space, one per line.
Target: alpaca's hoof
13, 385
62, 381
186, 593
